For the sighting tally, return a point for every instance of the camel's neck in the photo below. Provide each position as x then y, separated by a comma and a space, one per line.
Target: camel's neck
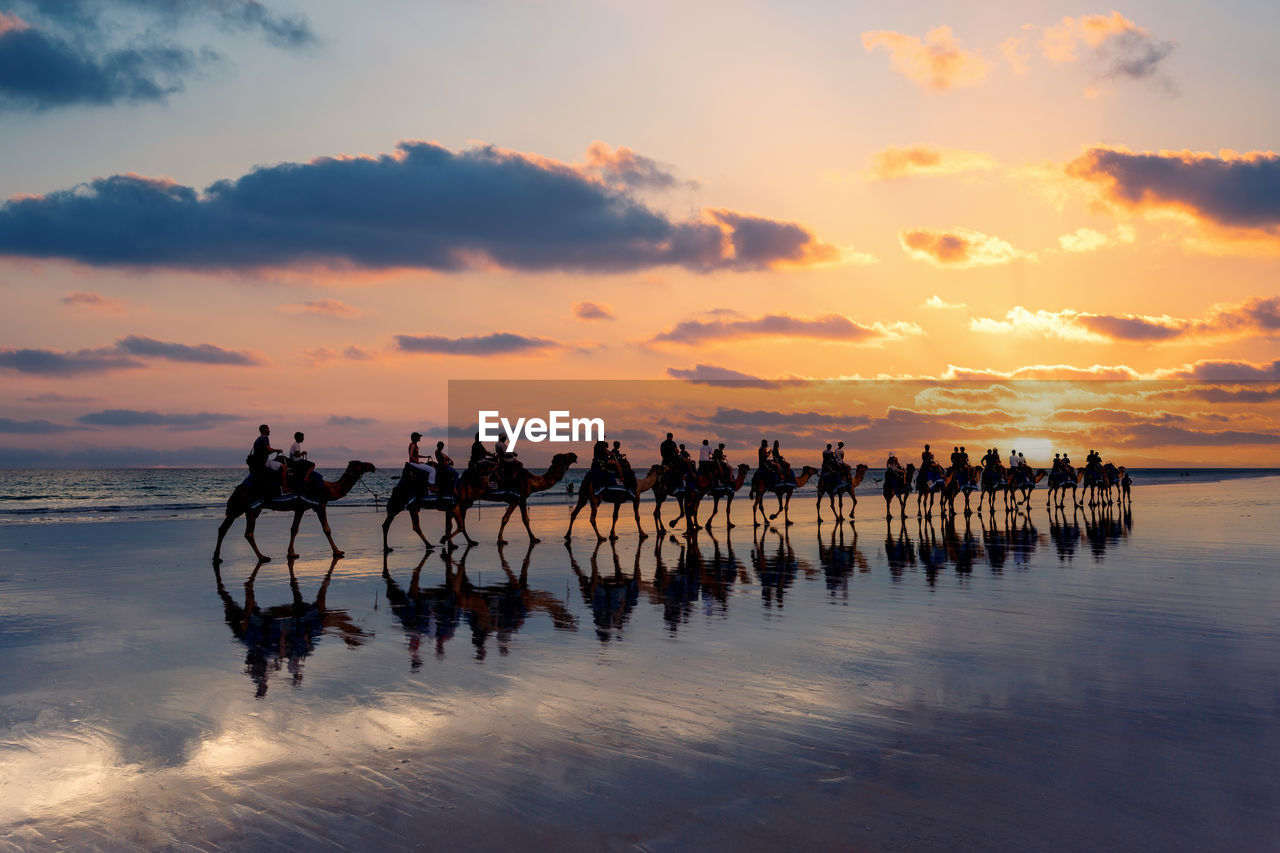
345, 483
857, 479
740, 479
542, 482
803, 478
647, 483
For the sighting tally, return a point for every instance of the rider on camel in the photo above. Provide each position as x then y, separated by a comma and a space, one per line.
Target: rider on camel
419, 463
302, 467
845, 470
784, 467
766, 463
262, 458
444, 467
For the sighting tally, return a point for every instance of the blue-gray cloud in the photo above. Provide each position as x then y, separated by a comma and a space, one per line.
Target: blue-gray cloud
424, 207
1235, 191
711, 374
498, 343
9, 426
832, 327
39, 70
56, 53
126, 354
349, 421
133, 417
198, 354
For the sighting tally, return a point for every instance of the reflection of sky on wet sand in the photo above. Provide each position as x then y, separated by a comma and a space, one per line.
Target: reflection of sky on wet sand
1107, 682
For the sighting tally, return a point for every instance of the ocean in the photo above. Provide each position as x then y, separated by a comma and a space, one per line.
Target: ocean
29, 496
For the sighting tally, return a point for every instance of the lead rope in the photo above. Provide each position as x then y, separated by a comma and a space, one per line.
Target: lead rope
372, 492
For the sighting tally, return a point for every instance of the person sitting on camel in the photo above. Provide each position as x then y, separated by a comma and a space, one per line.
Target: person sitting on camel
705, 466
418, 463
722, 464
784, 467
846, 472
625, 475
300, 466
892, 467
926, 459
686, 463
828, 461
445, 470
263, 458
508, 464
669, 452
766, 463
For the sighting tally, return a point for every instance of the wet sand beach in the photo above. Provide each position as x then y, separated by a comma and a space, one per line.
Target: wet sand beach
1070, 681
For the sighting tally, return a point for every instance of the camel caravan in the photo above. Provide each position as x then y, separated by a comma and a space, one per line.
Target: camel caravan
430, 481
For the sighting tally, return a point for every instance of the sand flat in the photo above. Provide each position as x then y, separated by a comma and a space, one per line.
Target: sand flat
1098, 681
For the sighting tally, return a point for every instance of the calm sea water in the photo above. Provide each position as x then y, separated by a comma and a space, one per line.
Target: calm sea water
39, 496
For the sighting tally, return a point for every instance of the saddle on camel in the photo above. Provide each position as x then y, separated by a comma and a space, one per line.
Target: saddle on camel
611, 475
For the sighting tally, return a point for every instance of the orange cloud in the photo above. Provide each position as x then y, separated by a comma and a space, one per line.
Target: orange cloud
730, 326
94, 302
593, 311
1091, 240
328, 307
938, 62
927, 160
1060, 42
1044, 371
958, 248
1247, 319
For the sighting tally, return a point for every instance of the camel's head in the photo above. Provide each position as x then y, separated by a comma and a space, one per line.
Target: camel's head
861, 469
355, 466
654, 471
565, 459
743, 468
809, 469
911, 467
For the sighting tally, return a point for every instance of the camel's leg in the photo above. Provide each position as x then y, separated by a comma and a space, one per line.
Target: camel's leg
503, 526
417, 528
635, 508
595, 507
728, 513
250, 522
322, 513
582, 501
786, 511
293, 529
613, 528
715, 507
222, 532
386, 529
755, 504
524, 516
853, 505
779, 512
680, 506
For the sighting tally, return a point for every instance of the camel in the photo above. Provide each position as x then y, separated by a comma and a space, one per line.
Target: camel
962, 482
691, 500
1060, 481
315, 494
1023, 483
727, 491
898, 485
471, 483
1098, 483
782, 490
524, 485
838, 489
929, 482
994, 479
615, 496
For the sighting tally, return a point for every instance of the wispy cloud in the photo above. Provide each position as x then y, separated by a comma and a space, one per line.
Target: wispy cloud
127, 353
94, 302
1091, 240
9, 426
498, 343
891, 163
830, 327
1251, 318
936, 62
711, 374
958, 248
593, 311
938, 303
326, 307
185, 422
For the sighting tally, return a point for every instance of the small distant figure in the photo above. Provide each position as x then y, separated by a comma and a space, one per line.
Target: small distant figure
1125, 483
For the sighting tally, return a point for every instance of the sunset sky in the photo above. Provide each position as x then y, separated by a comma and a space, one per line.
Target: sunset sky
315, 215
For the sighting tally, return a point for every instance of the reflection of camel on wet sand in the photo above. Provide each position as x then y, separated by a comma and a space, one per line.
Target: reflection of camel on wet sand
287, 633
315, 494
611, 597
493, 609
839, 560
776, 571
